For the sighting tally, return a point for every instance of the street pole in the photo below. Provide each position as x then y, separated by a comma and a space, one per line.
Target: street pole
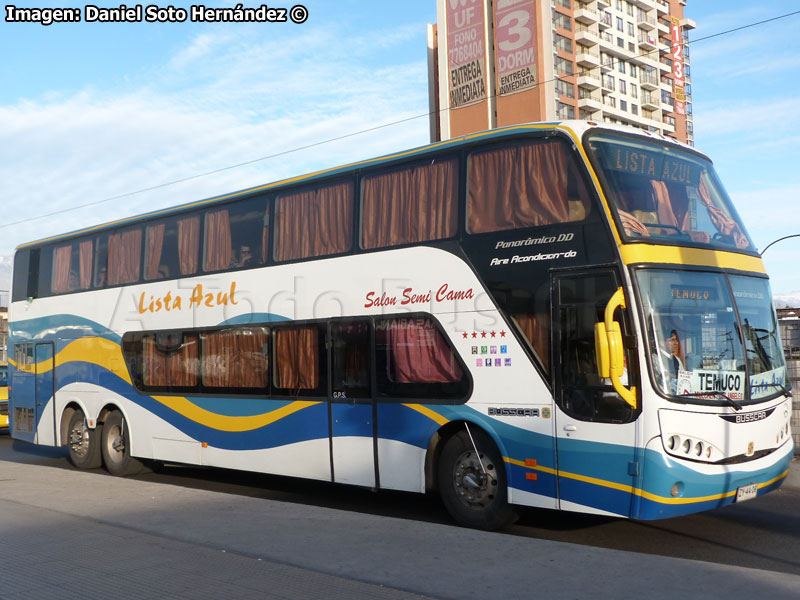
786, 237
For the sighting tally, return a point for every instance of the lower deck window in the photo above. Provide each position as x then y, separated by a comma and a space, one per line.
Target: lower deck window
391, 358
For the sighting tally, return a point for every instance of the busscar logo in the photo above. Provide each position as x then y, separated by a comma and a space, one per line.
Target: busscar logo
752, 417
513, 412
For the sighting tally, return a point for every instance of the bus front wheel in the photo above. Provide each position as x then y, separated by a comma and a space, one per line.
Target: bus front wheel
472, 482
83, 443
116, 446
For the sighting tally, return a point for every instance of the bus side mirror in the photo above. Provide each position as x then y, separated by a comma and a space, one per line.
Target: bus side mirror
610, 352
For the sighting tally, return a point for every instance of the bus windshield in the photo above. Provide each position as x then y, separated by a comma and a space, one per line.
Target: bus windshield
712, 334
662, 194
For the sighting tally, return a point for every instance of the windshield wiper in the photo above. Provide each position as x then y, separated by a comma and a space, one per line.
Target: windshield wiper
736, 406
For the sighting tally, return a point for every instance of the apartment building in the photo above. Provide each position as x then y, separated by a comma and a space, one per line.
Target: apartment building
494, 63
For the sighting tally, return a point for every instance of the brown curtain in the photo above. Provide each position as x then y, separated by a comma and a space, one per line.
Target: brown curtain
722, 222
62, 257
155, 242
314, 222
412, 205
86, 254
537, 331
124, 256
188, 242
420, 354
171, 368
297, 358
218, 241
521, 186
235, 359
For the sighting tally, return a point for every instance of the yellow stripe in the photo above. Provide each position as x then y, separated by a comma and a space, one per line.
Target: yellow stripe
646, 253
199, 415
638, 492
428, 413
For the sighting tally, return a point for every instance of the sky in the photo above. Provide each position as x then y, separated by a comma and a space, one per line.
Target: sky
106, 114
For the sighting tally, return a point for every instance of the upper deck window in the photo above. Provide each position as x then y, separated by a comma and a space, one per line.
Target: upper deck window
525, 185
72, 267
235, 236
662, 194
415, 204
171, 248
314, 222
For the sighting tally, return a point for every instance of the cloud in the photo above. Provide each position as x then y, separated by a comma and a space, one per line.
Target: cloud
218, 101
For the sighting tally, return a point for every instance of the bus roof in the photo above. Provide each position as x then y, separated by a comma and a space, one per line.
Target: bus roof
574, 128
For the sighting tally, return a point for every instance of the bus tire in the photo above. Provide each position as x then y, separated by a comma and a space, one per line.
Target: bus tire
83, 443
116, 447
475, 497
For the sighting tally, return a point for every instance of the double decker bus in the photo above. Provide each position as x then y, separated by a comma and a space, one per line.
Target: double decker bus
561, 315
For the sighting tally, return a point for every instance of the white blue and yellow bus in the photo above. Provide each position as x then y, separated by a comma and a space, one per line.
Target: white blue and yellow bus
560, 315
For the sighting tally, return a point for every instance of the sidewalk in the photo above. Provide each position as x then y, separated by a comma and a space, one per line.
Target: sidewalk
72, 534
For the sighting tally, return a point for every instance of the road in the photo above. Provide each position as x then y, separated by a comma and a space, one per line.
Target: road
762, 534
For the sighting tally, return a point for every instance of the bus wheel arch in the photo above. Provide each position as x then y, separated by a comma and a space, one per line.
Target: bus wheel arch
115, 444
473, 486
82, 441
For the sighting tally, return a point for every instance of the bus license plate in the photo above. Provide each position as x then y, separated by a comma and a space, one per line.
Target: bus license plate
747, 492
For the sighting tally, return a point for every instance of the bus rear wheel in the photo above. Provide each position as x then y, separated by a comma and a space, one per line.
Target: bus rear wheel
83, 443
116, 447
472, 482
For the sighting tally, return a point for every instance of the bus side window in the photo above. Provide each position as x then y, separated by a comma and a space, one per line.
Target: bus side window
526, 185
414, 360
350, 359
236, 359
414, 204
314, 222
298, 352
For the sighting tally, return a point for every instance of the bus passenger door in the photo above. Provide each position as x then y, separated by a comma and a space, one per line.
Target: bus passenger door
595, 427
351, 402
45, 390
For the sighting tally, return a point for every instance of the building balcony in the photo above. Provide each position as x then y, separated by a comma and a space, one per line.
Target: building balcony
589, 80
664, 28
646, 22
605, 21
665, 67
647, 41
619, 51
662, 6
586, 15
644, 4
590, 102
648, 81
587, 58
586, 35
650, 101
668, 127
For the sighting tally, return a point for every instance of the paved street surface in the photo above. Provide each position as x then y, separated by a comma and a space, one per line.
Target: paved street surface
73, 534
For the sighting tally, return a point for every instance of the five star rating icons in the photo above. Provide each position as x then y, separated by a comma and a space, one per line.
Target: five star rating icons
483, 334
